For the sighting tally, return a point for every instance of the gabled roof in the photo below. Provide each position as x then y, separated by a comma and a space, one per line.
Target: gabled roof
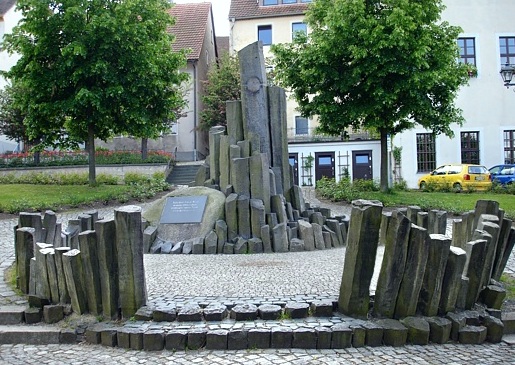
249, 9
190, 27
223, 44
5, 5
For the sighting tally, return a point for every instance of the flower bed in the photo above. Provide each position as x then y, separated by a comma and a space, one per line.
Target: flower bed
66, 158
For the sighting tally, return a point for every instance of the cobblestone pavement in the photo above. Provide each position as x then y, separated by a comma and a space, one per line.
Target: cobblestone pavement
419, 355
279, 276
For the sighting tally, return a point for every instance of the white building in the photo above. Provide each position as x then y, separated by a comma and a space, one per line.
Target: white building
488, 41
9, 17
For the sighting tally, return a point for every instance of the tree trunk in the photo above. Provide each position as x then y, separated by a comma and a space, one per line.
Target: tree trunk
91, 155
144, 148
384, 160
37, 154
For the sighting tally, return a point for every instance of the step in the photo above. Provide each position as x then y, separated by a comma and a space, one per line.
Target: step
36, 335
11, 314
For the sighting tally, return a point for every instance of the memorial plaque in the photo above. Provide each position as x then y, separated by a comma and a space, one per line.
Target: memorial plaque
183, 209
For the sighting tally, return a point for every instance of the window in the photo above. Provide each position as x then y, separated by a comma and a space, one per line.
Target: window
509, 147
265, 34
289, 1
301, 125
467, 50
426, 155
298, 27
507, 48
270, 2
470, 147
174, 128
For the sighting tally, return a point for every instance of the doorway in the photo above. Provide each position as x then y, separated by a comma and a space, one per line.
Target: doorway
324, 165
362, 165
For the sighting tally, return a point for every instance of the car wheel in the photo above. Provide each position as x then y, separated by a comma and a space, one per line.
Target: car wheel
457, 187
422, 185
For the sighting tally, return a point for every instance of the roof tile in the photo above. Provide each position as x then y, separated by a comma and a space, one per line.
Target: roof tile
248, 9
190, 27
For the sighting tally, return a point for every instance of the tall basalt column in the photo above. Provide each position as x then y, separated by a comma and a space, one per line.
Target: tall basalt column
278, 133
414, 270
64, 297
89, 254
430, 293
394, 261
254, 99
231, 216
131, 271
240, 176
24, 247
505, 254
474, 269
360, 258
492, 229
234, 121
108, 266
42, 283
225, 162
72, 264
214, 152
260, 179
452, 279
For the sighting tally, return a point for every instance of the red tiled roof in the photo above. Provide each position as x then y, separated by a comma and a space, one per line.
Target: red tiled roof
248, 9
190, 27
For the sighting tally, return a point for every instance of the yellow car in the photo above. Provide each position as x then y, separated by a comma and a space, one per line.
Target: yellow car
459, 177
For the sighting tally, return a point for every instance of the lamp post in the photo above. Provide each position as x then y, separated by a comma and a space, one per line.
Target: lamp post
507, 72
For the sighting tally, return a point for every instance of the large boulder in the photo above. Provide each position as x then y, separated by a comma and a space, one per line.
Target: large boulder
175, 232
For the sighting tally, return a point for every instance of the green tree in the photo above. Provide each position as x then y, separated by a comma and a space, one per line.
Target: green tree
222, 84
380, 65
94, 69
11, 117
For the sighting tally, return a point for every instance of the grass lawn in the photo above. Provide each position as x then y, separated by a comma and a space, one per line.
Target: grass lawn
19, 197
455, 203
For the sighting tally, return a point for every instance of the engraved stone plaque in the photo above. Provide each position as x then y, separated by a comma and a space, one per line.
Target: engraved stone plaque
183, 209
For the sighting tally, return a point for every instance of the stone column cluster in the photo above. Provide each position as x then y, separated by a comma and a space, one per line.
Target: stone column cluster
248, 162
424, 271
95, 265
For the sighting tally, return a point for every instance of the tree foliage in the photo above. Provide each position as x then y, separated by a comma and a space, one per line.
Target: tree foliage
223, 84
95, 68
11, 117
385, 65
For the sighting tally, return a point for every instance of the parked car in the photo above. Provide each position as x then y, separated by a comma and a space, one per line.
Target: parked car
503, 174
459, 177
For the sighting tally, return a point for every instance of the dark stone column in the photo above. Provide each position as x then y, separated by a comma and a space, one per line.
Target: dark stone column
129, 245
360, 258
394, 261
254, 99
414, 270
430, 293
108, 267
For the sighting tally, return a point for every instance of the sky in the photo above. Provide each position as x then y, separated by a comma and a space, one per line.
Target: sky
220, 14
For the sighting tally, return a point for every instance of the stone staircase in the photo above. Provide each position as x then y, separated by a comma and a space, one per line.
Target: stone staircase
182, 174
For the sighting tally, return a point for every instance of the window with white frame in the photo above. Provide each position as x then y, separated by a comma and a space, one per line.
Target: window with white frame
265, 34
426, 154
470, 147
467, 50
507, 50
297, 28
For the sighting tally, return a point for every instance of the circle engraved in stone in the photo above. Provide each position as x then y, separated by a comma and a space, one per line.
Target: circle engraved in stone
253, 84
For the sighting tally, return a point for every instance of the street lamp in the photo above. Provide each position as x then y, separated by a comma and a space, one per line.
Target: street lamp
507, 74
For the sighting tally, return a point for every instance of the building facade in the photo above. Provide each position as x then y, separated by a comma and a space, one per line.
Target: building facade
488, 41
488, 135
